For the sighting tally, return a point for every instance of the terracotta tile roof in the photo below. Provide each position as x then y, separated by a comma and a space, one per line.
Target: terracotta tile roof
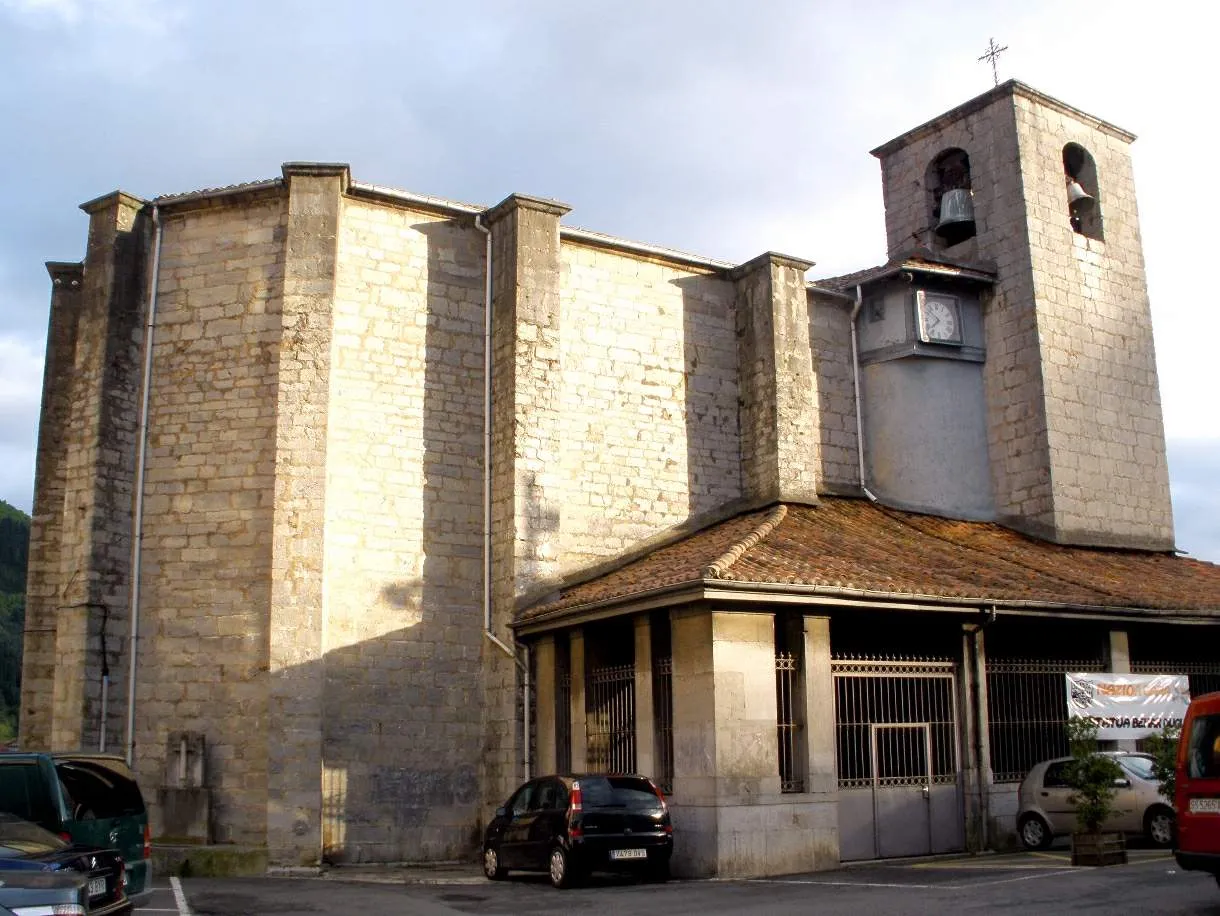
857, 546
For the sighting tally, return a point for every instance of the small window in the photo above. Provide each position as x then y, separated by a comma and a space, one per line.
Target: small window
1083, 198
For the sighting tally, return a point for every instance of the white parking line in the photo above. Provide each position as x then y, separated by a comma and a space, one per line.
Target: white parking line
179, 897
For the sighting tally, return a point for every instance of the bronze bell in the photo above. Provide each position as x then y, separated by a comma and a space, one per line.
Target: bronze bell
956, 216
1079, 200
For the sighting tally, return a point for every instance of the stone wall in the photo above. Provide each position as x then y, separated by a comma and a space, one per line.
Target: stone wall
203, 663
649, 399
1102, 398
403, 731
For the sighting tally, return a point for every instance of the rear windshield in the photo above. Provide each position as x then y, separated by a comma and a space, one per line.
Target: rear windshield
96, 790
618, 792
1203, 748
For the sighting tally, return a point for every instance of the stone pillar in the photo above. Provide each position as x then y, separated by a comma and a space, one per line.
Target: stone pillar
44, 583
821, 777
526, 476
98, 451
726, 757
576, 670
645, 721
545, 710
294, 740
1119, 653
976, 744
779, 417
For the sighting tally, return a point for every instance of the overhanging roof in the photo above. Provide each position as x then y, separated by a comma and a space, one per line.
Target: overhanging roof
850, 551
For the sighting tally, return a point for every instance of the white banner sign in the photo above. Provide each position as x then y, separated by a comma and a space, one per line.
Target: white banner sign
1128, 705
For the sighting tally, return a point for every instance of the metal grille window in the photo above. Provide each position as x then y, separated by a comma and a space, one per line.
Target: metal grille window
787, 680
899, 715
663, 719
610, 719
1026, 712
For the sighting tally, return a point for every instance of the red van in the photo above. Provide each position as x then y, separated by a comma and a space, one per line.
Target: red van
1197, 796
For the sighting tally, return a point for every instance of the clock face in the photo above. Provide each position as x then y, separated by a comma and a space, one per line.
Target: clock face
938, 320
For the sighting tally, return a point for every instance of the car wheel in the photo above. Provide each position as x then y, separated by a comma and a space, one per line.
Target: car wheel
659, 872
491, 864
563, 874
1159, 825
1035, 833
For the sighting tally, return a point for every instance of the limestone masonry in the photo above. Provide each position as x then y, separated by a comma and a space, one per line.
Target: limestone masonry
296, 529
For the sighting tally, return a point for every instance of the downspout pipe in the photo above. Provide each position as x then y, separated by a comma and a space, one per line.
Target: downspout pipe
137, 523
510, 651
855, 371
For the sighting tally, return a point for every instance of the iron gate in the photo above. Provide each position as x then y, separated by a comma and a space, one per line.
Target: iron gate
896, 747
610, 719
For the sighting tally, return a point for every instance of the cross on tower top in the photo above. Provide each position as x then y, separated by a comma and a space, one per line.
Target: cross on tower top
992, 54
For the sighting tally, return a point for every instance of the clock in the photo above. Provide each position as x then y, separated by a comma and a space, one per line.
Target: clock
938, 318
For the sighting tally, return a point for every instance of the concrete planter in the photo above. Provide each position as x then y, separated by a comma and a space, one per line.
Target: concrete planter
1099, 849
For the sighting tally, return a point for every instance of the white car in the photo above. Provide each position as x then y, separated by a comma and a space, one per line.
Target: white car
1045, 810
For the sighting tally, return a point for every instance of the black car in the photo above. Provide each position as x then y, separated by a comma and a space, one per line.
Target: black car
572, 825
38, 870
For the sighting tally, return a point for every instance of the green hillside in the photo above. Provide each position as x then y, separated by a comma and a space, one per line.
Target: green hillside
14, 554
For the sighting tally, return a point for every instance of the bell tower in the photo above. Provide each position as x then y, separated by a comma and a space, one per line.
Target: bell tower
1045, 193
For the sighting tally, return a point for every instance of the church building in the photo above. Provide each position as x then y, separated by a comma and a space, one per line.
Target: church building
356, 507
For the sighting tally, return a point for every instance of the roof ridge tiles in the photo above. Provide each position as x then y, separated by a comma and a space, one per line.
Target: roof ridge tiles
719, 568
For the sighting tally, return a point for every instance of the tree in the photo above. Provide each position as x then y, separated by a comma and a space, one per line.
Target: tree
1164, 750
1092, 776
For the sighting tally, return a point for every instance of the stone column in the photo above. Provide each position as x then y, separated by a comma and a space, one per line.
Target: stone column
576, 670
976, 744
545, 710
821, 778
98, 454
645, 721
294, 741
726, 757
1120, 663
44, 583
779, 417
526, 479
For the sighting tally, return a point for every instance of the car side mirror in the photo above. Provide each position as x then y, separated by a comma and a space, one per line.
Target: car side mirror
501, 811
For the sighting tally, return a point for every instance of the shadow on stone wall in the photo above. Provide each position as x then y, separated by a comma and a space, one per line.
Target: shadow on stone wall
709, 339
403, 712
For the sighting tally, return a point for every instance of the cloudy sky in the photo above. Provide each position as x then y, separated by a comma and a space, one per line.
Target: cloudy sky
722, 128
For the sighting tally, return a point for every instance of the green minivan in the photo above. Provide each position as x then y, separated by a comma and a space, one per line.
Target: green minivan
86, 798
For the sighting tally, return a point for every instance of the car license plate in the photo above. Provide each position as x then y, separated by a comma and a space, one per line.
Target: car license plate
97, 887
629, 853
1205, 806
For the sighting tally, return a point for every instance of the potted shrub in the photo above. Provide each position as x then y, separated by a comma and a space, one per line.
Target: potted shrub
1093, 777
1163, 747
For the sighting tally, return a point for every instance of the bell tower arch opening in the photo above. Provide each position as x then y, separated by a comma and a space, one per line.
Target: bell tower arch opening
1083, 200
950, 198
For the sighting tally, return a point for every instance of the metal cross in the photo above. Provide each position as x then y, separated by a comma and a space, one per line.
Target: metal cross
992, 55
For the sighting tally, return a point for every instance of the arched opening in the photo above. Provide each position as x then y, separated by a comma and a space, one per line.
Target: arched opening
950, 199
1083, 199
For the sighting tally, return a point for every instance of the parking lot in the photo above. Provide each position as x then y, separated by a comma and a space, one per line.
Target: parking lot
1030, 882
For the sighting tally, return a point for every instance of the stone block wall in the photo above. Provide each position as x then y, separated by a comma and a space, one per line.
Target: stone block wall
830, 342
1103, 406
403, 733
649, 399
209, 489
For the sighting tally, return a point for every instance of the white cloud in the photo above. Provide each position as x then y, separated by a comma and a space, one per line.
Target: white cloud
20, 399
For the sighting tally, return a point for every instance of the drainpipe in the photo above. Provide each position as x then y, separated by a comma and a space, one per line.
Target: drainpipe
137, 539
855, 369
487, 629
